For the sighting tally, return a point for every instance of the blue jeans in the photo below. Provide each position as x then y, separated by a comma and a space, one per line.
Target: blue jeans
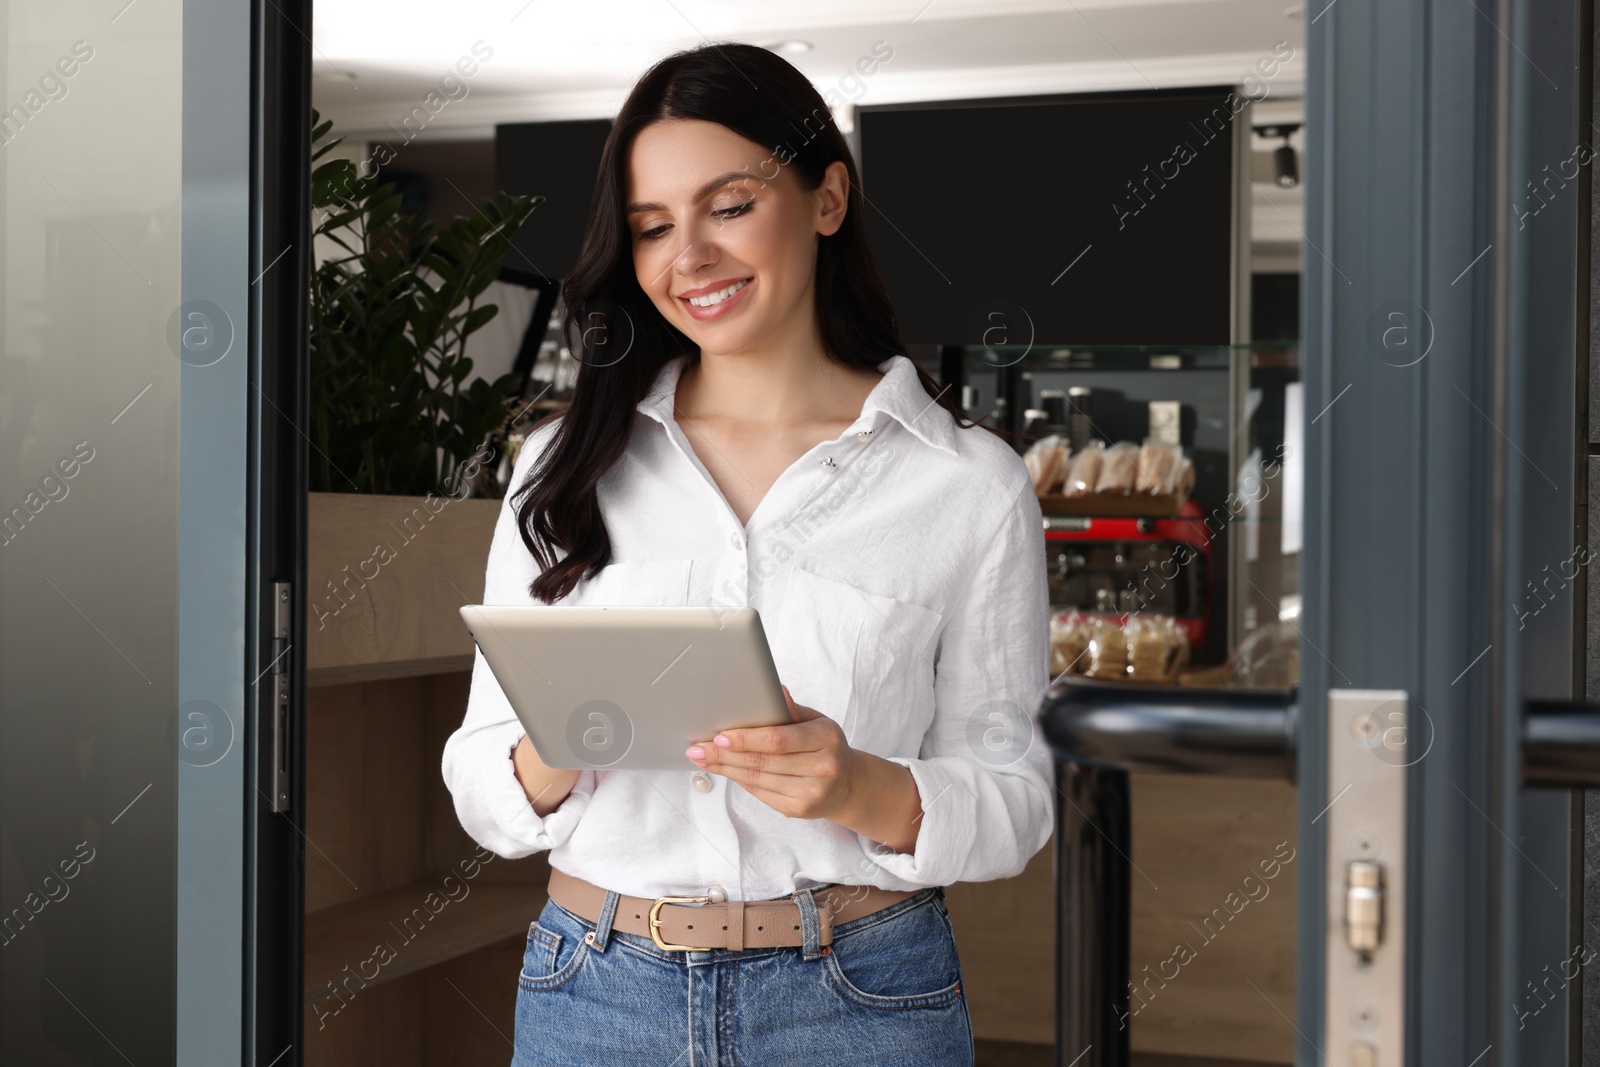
888, 992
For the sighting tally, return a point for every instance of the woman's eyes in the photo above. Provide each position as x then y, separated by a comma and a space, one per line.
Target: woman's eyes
733, 212
723, 213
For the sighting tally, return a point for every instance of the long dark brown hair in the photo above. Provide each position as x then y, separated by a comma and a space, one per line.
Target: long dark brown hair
620, 339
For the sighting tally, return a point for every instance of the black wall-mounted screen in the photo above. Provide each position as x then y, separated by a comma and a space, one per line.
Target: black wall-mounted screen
559, 161
1096, 219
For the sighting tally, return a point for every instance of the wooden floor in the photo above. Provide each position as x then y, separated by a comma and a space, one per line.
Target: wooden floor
1022, 1054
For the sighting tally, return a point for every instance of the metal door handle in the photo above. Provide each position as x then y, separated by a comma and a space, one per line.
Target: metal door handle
1561, 744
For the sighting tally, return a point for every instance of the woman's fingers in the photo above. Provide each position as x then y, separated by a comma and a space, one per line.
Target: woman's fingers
814, 763
809, 733
803, 769
798, 769
771, 747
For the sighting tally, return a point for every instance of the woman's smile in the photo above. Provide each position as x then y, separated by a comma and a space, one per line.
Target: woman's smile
706, 304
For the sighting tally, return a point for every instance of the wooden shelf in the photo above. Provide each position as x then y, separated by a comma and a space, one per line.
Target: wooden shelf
1107, 506
388, 663
378, 672
354, 935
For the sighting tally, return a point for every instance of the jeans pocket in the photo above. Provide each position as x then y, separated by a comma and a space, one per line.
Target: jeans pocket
539, 957
552, 957
907, 960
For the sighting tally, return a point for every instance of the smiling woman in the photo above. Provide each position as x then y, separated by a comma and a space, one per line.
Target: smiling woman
723, 167
746, 431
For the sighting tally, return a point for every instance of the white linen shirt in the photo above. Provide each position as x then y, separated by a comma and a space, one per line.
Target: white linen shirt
899, 571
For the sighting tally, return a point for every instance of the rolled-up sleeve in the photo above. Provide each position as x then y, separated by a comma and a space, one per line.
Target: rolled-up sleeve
984, 771
489, 800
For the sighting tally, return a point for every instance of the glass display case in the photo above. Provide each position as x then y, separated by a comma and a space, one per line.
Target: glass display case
1220, 556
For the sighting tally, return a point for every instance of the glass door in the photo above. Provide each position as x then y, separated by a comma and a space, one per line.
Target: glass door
142, 529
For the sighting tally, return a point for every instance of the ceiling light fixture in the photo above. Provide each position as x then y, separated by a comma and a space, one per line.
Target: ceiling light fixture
1286, 169
1285, 165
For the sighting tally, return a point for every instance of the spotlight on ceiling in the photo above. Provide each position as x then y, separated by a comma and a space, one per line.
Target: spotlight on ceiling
1286, 170
1285, 164
791, 46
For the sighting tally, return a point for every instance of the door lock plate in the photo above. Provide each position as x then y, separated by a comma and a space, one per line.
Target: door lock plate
1369, 753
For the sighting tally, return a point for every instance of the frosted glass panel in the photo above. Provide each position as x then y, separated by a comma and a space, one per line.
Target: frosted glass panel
91, 205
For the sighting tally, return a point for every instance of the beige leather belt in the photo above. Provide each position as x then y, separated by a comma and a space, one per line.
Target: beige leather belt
680, 923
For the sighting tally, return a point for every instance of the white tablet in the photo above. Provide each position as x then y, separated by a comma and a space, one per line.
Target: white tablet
613, 688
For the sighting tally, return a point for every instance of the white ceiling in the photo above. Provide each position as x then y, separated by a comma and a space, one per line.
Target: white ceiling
376, 63
563, 60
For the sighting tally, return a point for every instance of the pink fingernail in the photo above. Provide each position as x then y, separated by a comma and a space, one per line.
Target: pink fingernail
697, 752
722, 740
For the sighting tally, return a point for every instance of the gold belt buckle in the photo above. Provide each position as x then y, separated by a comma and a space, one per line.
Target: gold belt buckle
655, 921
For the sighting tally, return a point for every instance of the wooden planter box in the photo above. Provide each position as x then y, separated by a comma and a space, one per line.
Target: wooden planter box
384, 577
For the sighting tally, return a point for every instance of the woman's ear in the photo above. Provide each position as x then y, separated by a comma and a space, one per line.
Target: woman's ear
832, 198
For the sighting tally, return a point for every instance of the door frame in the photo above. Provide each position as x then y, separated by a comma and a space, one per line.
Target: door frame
280, 266
1438, 489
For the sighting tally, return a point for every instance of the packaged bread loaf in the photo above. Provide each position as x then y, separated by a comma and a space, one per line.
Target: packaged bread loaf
1107, 651
1158, 461
1046, 460
1055, 464
1157, 648
1180, 659
1068, 641
1182, 481
1117, 469
1033, 459
1083, 474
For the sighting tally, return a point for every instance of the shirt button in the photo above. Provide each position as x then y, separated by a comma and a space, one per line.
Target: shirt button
736, 541
717, 894
827, 461
702, 781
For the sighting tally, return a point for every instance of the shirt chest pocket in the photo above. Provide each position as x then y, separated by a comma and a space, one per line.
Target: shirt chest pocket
636, 583
863, 659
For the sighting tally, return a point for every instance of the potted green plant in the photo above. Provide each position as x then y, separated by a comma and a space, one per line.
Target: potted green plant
398, 433
390, 318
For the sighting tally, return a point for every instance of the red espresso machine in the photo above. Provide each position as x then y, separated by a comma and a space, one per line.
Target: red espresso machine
1120, 566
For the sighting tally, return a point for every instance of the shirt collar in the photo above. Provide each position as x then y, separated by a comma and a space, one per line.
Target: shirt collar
898, 395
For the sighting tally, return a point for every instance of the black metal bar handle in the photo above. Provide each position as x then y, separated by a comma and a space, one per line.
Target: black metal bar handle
1561, 744
1236, 733
1099, 732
